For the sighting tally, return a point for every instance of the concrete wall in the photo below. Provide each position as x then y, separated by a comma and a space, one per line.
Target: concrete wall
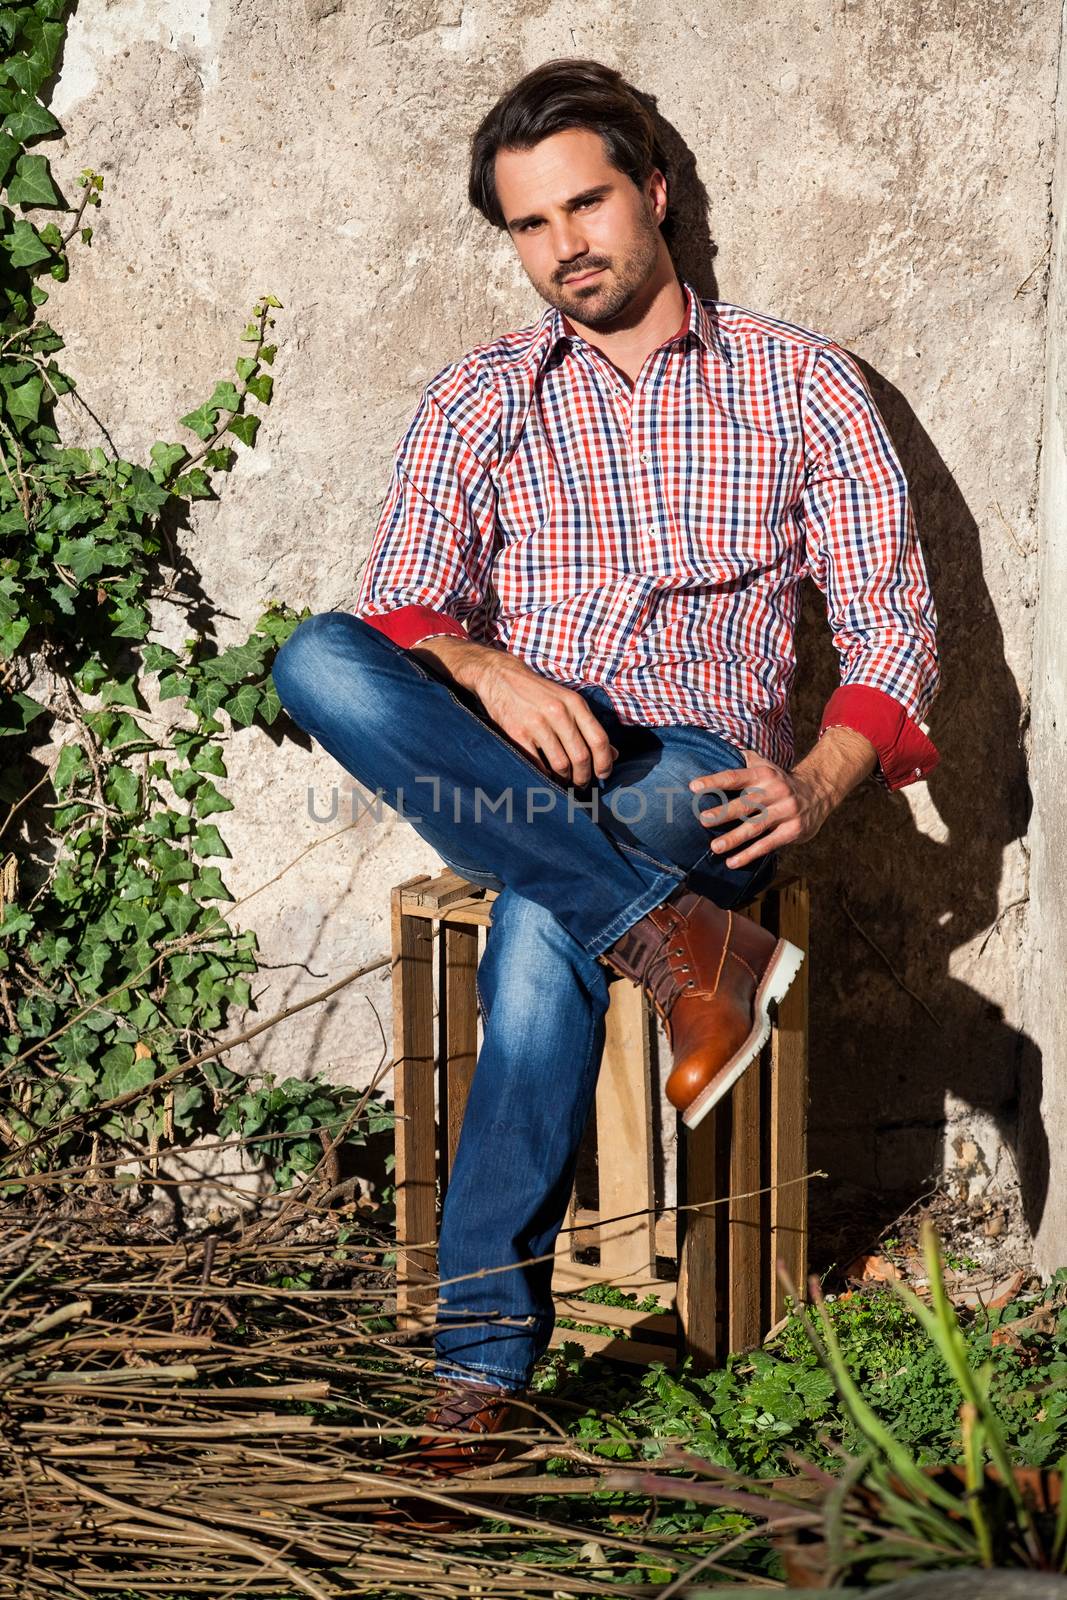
1044, 1086
880, 172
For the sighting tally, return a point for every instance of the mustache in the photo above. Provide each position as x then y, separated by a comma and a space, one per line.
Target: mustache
591, 266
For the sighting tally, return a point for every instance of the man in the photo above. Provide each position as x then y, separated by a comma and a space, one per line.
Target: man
587, 571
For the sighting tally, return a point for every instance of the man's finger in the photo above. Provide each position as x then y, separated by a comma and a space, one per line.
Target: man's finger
602, 751
728, 778
742, 806
761, 846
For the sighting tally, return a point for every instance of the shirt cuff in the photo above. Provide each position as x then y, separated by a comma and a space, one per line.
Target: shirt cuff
905, 754
408, 625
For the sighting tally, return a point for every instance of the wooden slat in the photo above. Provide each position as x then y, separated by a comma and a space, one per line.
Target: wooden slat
475, 911
459, 1030
662, 1324
744, 1322
571, 1276
702, 1170
789, 1107
587, 1223
446, 890
624, 1136
638, 1351
413, 1097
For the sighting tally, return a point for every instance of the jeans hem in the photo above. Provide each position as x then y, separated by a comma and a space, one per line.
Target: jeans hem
653, 896
476, 1373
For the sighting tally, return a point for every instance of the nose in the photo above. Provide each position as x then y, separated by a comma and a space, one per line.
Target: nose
569, 242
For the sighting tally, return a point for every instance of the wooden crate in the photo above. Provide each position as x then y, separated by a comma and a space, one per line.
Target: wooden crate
742, 1201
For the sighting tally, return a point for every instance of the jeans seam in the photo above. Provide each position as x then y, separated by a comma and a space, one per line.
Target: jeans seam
653, 861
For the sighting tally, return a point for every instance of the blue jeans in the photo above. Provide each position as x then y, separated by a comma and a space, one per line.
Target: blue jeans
574, 868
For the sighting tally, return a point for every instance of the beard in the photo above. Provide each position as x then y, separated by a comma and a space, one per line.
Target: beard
605, 299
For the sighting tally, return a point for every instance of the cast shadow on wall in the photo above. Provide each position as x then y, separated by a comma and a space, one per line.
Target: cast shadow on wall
893, 1031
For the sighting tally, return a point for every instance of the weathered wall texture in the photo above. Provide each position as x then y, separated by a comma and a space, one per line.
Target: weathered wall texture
878, 171
1044, 1104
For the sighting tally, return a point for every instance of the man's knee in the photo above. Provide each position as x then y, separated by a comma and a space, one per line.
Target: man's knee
319, 650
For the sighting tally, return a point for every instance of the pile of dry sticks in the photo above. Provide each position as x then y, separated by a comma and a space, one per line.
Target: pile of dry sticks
212, 1416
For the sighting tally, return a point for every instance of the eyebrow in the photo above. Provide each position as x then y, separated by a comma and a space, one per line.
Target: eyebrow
575, 199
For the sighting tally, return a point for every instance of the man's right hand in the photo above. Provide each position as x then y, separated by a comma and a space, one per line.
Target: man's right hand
554, 725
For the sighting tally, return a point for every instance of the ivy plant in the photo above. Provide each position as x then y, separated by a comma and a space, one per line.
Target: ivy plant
117, 962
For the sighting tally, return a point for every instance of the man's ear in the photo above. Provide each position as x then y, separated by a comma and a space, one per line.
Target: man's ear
657, 172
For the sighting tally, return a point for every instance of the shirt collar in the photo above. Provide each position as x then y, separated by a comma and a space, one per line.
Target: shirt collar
697, 321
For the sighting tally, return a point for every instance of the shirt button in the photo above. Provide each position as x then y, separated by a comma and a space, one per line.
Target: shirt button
918, 772
645, 456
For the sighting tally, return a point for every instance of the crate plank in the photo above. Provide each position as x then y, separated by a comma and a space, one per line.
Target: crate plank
413, 1096
789, 1109
744, 1294
702, 1172
624, 1158
458, 1023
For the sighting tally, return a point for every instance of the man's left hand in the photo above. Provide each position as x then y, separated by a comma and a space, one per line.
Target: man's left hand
778, 808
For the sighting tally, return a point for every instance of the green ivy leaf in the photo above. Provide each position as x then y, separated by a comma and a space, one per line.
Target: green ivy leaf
26, 248
146, 497
270, 704
225, 397
209, 885
24, 403
172, 684
209, 759
182, 781
91, 675
17, 711
154, 657
29, 120
123, 1071
71, 512
208, 841
32, 184
194, 485
72, 765
166, 457
243, 705
203, 421
10, 150
122, 788
121, 692
208, 799
261, 387
245, 428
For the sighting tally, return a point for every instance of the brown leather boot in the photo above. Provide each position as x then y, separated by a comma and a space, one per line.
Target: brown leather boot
476, 1409
711, 975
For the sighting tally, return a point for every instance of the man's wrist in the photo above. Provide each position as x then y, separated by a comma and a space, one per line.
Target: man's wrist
462, 659
840, 759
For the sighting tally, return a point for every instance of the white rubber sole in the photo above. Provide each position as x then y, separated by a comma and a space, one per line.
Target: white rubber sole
782, 968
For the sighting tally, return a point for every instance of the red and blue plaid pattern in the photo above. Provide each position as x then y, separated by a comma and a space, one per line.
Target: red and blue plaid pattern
653, 540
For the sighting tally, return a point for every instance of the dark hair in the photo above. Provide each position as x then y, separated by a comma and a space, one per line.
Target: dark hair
566, 93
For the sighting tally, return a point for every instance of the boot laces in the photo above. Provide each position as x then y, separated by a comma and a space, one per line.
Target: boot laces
659, 977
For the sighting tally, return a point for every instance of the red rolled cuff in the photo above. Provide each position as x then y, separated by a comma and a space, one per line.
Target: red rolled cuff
406, 625
905, 754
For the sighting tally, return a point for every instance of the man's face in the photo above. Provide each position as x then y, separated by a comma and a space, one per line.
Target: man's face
587, 236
